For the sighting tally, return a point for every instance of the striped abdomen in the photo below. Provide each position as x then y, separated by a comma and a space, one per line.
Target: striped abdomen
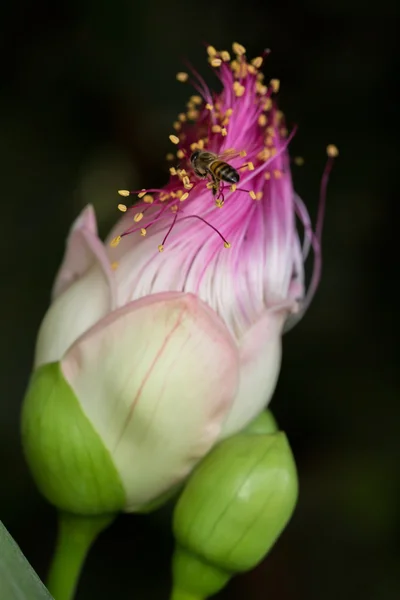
221, 170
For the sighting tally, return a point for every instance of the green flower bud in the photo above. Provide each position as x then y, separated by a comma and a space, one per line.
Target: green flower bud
232, 510
69, 462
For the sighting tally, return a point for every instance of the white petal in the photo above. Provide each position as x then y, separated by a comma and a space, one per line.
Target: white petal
83, 304
156, 379
260, 356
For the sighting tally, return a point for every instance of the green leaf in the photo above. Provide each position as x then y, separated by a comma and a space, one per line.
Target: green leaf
18, 581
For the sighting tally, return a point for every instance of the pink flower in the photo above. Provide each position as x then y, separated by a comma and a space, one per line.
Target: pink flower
170, 334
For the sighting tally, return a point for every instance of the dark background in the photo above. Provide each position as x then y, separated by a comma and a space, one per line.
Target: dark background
88, 95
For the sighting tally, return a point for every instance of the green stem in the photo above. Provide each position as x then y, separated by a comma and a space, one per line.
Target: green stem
75, 537
182, 595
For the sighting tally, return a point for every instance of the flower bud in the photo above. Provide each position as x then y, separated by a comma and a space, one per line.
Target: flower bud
232, 510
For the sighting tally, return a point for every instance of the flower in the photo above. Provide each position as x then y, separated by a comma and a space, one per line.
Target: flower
168, 337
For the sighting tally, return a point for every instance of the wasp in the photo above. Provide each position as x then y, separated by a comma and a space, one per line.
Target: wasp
206, 164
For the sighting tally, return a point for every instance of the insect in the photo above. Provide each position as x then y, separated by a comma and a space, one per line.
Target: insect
209, 164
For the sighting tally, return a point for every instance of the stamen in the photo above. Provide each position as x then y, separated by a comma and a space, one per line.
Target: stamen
184, 196
124, 193
226, 57
211, 51
209, 225
180, 154
170, 156
216, 128
275, 84
238, 49
262, 120
122, 207
257, 62
209, 106
182, 117
332, 151
114, 242
252, 195
299, 161
196, 99
174, 139
182, 76
167, 234
114, 265
142, 193
216, 62
143, 232
172, 171
138, 217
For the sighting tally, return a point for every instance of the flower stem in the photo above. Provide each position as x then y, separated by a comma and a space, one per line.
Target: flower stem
178, 594
76, 534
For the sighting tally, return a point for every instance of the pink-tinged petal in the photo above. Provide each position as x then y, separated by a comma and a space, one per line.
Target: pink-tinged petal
260, 354
82, 304
156, 378
84, 249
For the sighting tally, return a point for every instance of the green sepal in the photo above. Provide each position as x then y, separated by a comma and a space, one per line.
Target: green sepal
69, 462
238, 501
265, 423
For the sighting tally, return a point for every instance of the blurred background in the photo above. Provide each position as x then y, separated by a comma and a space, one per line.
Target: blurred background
87, 98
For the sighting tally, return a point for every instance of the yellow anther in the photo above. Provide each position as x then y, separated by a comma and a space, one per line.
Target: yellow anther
216, 62
176, 125
196, 99
250, 166
160, 248
252, 195
190, 105
180, 154
238, 89
209, 106
265, 154
332, 151
201, 144
114, 265
261, 89
270, 130
262, 120
227, 245
174, 139
277, 173
273, 151
267, 175
219, 203
279, 116
224, 131
114, 243
182, 117
124, 193
182, 76
275, 84
267, 104
210, 185
259, 195
174, 208
193, 114
184, 196
178, 194
122, 207
283, 131
257, 62
211, 51
164, 196
269, 140
138, 217
148, 199
243, 153
299, 161
252, 70
188, 186
229, 112
194, 146
172, 171
170, 156
185, 180
216, 128
225, 56
260, 76
233, 187
141, 193
143, 232
238, 49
